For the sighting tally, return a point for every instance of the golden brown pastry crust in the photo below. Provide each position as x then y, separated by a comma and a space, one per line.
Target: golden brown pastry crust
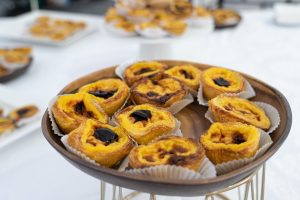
108, 152
71, 110
162, 93
110, 93
168, 150
225, 142
23, 112
235, 109
216, 81
146, 122
188, 74
144, 69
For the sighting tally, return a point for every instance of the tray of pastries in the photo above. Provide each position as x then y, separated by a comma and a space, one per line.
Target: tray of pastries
165, 18
49, 27
167, 127
19, 116
14, 61
226, 18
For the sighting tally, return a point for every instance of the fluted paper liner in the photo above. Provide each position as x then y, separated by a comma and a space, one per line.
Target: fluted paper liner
200, 22
246, 94
173, 172
54, 126
264, 143
270, 111
152, 32
118, 31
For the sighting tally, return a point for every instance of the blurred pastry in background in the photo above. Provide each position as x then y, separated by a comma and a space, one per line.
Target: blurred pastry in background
55, 29
225, 17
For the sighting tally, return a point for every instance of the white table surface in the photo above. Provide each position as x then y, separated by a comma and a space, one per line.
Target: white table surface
31, 169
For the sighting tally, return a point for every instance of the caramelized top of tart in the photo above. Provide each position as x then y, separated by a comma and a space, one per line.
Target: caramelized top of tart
223, 79
232, 135
169, 150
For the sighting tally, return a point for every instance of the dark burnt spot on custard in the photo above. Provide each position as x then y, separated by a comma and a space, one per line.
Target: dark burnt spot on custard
23, 111
152, 94
186, 74
221, 82
141, 115
163, 99
103, 94
179, 149
238, 138
149, 158
176, 160
105, 135
79, 108
143, 71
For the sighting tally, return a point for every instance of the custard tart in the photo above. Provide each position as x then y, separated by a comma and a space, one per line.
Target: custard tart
225, 17
168, 150
110, 93
216, 81
225, 142
105, 144
181, 9
188, 74
162, 92
23, 112
174, 27
143, 69
235, 109
113, 16
6, 125
71, 110
145, 122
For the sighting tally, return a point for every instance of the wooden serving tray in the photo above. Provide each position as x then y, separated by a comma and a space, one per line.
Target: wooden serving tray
193, 124
15, 73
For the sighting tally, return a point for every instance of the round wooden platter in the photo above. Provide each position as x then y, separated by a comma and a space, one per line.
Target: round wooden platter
193, 124
10, 75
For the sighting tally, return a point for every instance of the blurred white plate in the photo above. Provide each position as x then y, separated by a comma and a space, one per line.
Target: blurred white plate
287, 14
10, 100
16, 28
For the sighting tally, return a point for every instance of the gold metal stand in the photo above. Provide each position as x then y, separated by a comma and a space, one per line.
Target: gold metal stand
253, 184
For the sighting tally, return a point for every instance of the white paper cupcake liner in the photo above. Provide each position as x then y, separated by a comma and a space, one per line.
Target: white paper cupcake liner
231, 21
172, 172
246, 94
200, 22
120, 69
110, 27
264, 143
270, 111
179, 105
12, 66
152, 33
54, 126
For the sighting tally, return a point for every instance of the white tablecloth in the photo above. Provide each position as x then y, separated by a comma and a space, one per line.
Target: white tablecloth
31, 169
